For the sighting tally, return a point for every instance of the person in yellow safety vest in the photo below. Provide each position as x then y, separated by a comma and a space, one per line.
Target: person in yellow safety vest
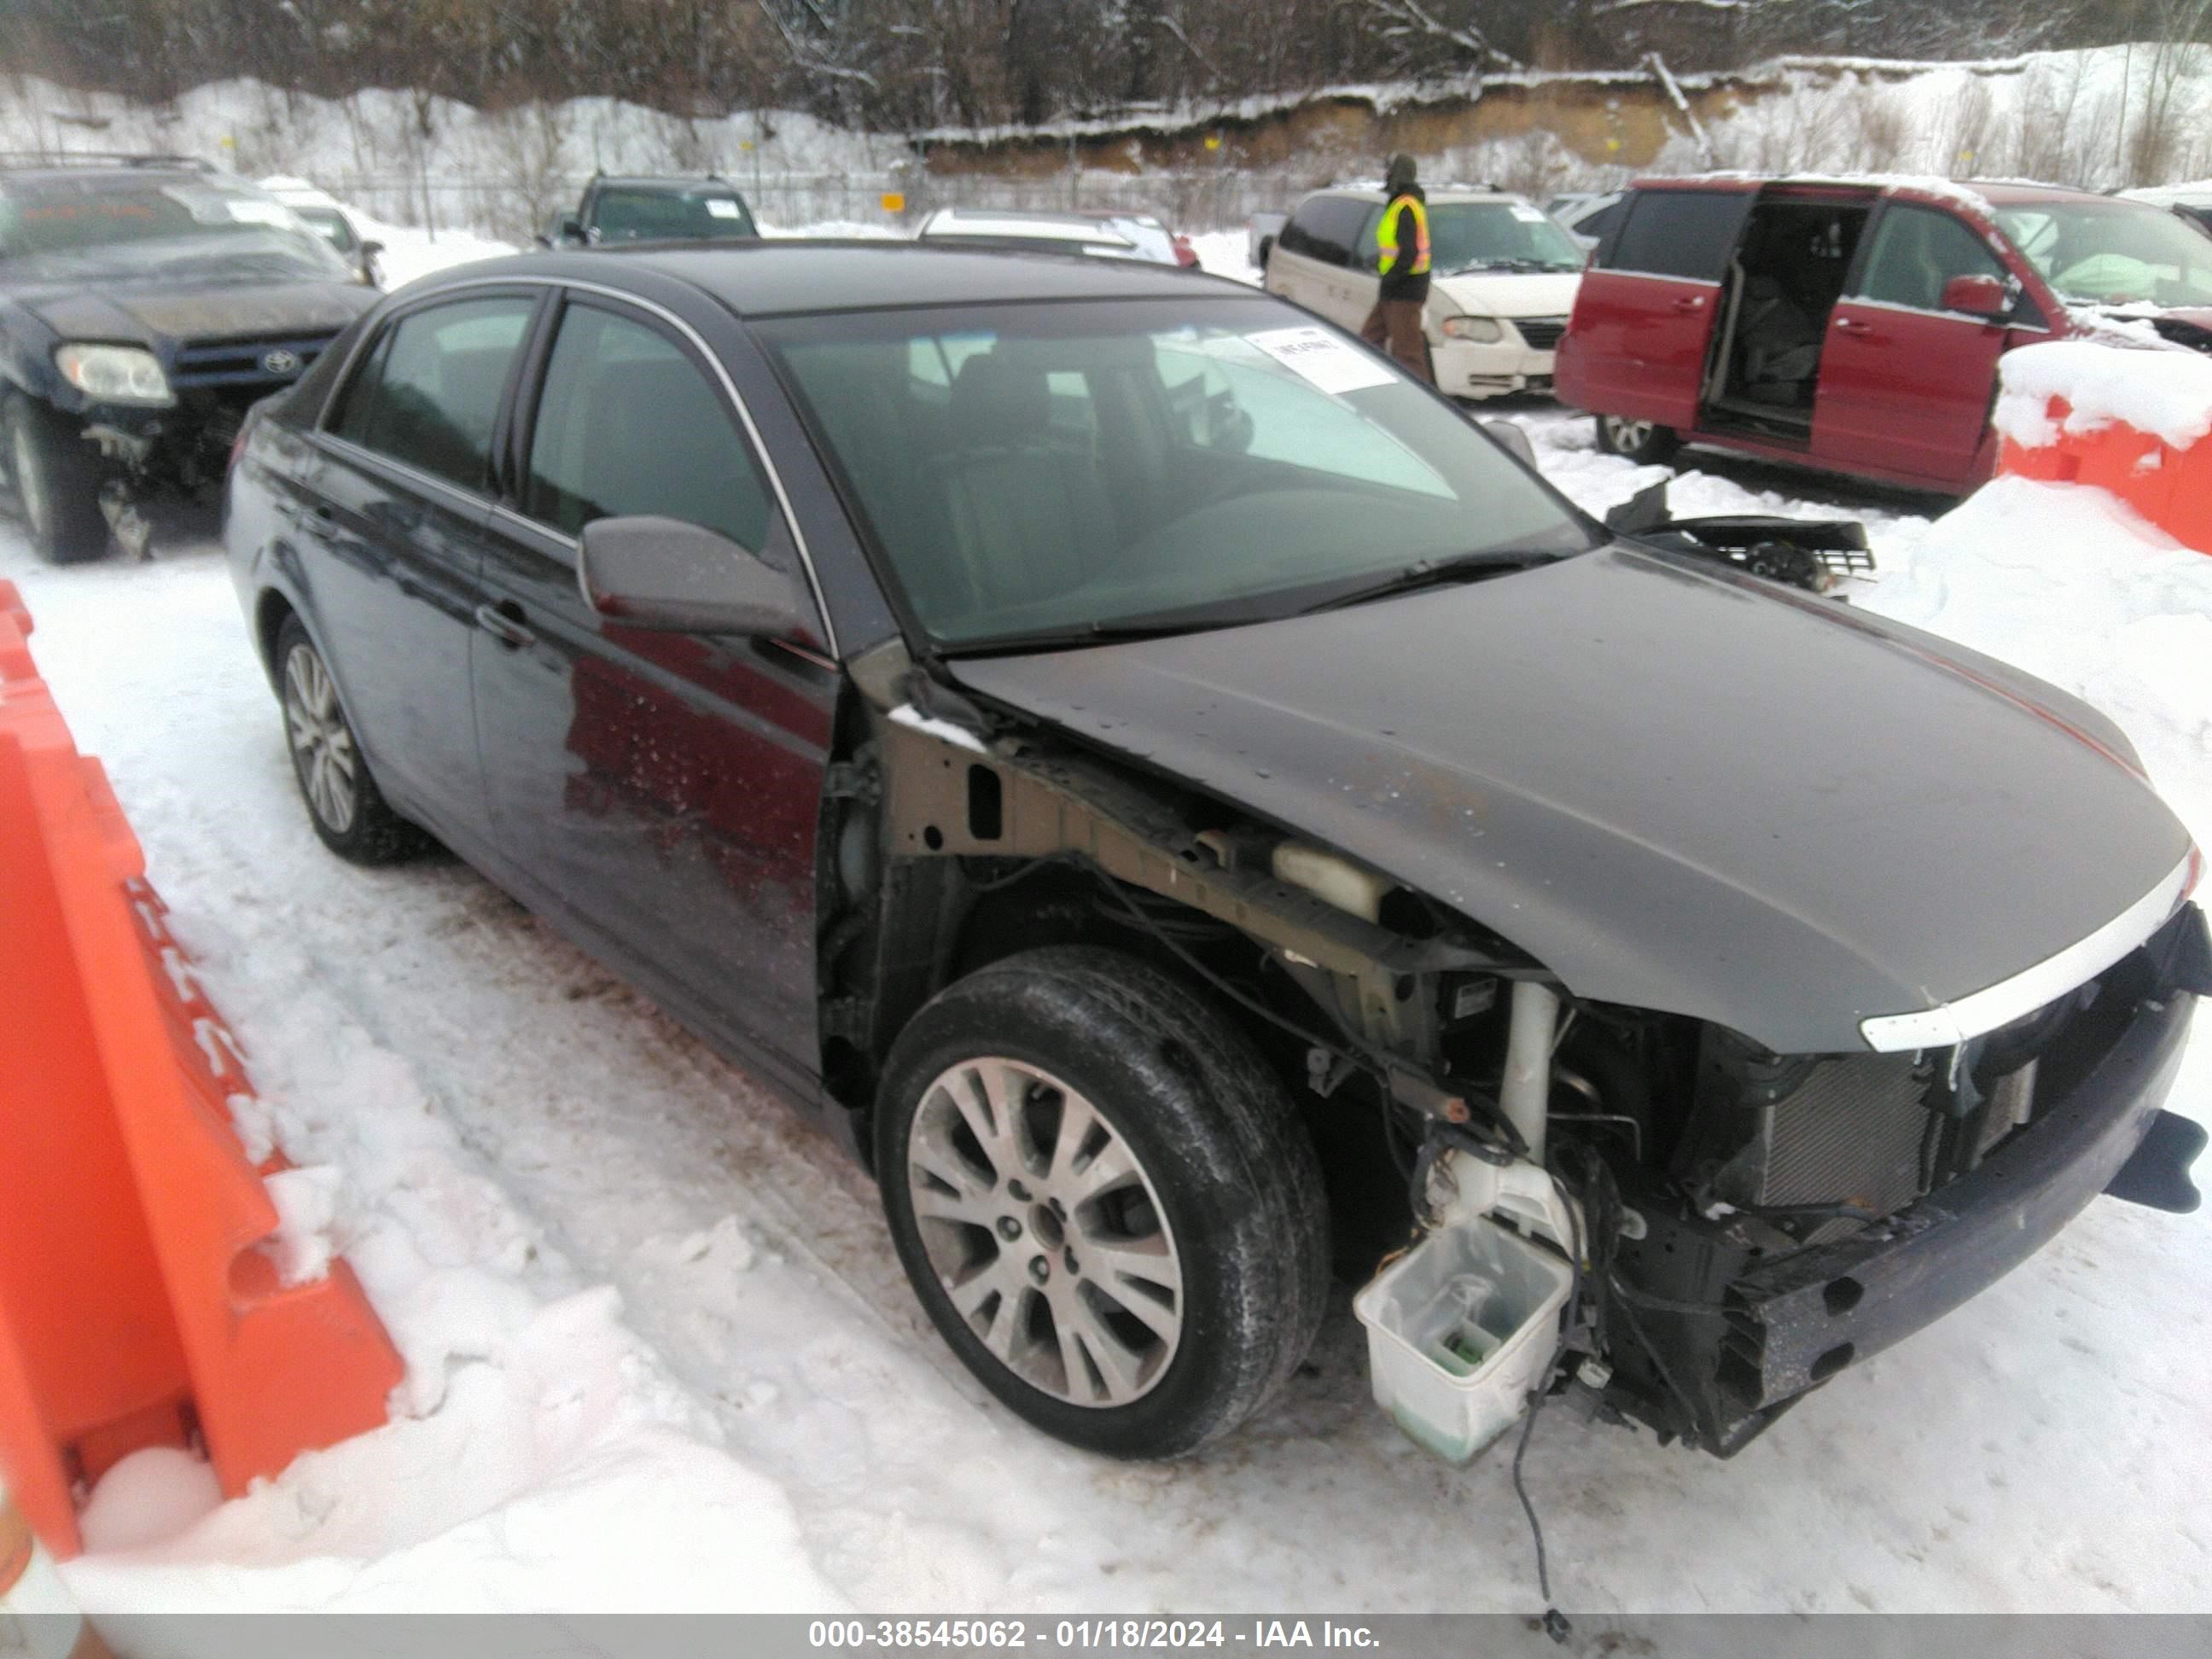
1402, 242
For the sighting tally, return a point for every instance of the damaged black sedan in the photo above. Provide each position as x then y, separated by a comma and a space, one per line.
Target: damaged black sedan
1192, 812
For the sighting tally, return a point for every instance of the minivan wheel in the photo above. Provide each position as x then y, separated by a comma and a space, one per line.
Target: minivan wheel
1104, 1198
344, 803
54, 477
1645, 442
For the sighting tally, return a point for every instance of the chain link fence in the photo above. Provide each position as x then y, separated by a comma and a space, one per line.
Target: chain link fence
515, 210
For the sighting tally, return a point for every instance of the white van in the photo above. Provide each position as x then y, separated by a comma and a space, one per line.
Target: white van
1502, 282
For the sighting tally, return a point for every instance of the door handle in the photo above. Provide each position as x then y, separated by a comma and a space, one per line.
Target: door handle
1854, 326
503, 621
1690, 303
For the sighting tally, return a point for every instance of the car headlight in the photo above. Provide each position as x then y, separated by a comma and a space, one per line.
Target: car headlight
115, 374
1483, 330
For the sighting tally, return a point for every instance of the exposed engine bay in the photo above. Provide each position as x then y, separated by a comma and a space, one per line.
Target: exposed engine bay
1702, 1229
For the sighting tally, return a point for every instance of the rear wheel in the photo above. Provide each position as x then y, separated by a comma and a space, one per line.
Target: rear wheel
54, 477
344, 803
1645, 442
1105, 1200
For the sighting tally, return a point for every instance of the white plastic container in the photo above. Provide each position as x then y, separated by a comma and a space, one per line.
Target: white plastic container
1458, 1330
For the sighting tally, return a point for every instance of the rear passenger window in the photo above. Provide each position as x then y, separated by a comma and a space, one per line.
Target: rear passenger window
629, 424
1326, 227
1916, 250
430, 391
1680, 233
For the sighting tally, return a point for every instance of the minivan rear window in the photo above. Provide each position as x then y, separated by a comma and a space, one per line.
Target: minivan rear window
1679, 233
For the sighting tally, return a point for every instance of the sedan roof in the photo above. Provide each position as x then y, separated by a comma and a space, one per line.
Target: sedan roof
794, 275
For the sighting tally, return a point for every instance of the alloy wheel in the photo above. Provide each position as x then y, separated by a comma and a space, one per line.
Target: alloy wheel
1627, 436
322, 743
1045, 1232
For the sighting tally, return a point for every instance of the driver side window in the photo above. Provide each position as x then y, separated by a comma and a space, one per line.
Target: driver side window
1916, 250
628, 424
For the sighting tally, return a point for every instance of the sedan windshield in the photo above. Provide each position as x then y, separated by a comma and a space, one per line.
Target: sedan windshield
193, 225
1498, 236
2113, 253
1150, 465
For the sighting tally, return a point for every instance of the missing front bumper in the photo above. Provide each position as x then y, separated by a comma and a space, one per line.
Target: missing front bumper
1726, 1342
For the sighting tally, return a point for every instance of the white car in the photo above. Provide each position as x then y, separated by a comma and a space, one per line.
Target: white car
344, 228
1503, 281
1107, 234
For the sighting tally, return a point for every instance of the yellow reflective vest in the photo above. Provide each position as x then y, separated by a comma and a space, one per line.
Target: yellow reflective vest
1386, 237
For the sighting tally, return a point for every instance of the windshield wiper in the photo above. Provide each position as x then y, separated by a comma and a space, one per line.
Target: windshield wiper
1079, 634
1500, 264
1435, 572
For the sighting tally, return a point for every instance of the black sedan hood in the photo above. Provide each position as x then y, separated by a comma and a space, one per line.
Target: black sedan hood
1680, 789
157, 313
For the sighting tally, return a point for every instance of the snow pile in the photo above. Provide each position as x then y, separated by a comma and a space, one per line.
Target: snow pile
2166, 394
2067, 582
409, 252
1226, 254
537, 1449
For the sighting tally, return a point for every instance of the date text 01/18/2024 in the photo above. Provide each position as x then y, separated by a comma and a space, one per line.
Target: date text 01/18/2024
1125, 1634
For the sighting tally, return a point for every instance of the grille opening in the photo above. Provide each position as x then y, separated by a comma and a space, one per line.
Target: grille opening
1842, 1295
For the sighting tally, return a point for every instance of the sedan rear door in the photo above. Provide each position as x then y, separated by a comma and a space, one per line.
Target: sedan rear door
387, 526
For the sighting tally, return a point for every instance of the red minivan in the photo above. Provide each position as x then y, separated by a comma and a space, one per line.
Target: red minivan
1855, 325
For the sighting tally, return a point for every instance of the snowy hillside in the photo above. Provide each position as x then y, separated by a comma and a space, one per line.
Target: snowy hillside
2098, 118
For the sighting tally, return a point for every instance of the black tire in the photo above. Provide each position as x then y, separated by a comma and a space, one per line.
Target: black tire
1645, 442
368, 831
53, 479
1213, 1133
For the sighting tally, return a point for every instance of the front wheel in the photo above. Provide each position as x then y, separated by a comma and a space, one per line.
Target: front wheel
55, 479
1105, 1200
1645, 442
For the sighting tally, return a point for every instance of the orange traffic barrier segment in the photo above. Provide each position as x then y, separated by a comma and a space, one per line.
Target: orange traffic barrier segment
38, 1618
2171, 488
139, 1302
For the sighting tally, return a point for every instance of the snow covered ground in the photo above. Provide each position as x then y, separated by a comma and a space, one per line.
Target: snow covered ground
661, 1354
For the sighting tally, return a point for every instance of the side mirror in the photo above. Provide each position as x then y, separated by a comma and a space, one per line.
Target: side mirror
566, 230
1513, 438
1267, 248
652, 572
1977, 296
371, 249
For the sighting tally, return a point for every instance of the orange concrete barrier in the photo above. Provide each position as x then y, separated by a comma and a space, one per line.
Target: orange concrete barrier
138, 1305
2171, 487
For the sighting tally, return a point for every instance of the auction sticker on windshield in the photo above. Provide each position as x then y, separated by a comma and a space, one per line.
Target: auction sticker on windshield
1334, 365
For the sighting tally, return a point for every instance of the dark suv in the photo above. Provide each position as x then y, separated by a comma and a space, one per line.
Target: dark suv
651, 211
145, 302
